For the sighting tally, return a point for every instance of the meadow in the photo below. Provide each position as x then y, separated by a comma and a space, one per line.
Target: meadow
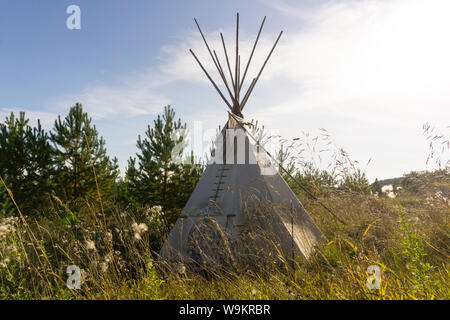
113, 231
116, 249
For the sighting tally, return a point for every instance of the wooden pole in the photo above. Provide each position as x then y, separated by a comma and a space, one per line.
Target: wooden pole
236, 80
233, 97
228, 61
223, 76
251, 54
249, 91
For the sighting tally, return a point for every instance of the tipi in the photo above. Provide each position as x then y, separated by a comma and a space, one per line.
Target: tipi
241, 207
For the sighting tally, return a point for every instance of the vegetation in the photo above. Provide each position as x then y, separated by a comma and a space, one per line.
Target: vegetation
63, 203
76, 148
161, 174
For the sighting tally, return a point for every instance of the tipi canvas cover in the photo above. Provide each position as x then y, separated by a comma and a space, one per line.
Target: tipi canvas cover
241, 208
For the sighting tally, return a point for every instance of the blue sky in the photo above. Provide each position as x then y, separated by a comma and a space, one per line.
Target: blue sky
41, 57
370, 72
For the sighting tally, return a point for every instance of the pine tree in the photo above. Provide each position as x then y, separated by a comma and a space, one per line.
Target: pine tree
74, 176
356, 182
161, 177
25, 162
285, 160
40, 163
128, 191
376, 187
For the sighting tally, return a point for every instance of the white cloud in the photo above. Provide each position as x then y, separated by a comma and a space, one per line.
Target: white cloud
372, 71
368, 70
286, 8
375, 60
134, 96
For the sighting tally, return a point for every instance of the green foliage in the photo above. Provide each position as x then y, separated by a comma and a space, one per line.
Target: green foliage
184, 179
284, 158
376, 188
152, 282
25, 162
6, 205
116, 258
73, 173
356, 182
160, 176
128, 192
414, 252
317, 181
12, 259
117, 250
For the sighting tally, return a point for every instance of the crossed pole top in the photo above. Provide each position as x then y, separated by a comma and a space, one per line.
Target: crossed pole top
237, 104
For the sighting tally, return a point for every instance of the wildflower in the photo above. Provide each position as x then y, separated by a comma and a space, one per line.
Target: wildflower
104, 266
181, 268
3, 230
137, 237
153, 212
391, 195
90, 245
108, 236
157, 210
7, 225
389, 190
139, 228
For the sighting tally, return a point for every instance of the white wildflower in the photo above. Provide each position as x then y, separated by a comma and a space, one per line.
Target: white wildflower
108, 236
90, 245
391, 195
154, 211
104, 266
389, 190
7, 225
3, 230
139, 228
157, 209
